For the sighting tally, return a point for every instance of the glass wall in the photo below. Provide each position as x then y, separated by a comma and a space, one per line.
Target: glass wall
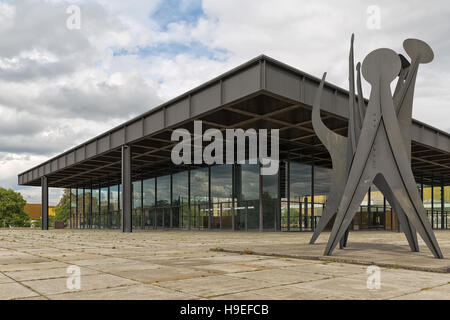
163, 201
148, 192
270, 202
104, 217
222, 197
300, 192
114, 208
247, 196
95, 208
73, 208
322, 183
87, 208
293, 200
137, 216
80, 206
180, 210
199, 198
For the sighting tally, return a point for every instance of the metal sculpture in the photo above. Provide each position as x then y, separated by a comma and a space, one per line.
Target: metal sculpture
342, 153
377, 148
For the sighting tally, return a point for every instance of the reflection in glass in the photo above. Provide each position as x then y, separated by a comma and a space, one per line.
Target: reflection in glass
104, 216
73, 208
199, 198
300, 195
149, 203
180, 199
221, 196
322, 183
270, 201
114, 213
95, 208
247, 196
163, 201
80, 208
87, 207
137, 204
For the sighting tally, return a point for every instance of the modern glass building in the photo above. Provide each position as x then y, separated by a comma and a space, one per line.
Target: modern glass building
125, 179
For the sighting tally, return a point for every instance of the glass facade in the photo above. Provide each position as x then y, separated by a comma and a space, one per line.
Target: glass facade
199, 204
148, 197
163, 201
180, 195
137, 216
229, 197
221, 196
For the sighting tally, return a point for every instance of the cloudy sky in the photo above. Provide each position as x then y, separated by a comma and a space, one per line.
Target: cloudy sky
60, 85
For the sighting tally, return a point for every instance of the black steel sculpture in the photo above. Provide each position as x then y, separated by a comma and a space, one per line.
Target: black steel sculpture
377, 149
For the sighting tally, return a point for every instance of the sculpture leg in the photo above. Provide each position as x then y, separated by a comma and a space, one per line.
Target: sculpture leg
407, 228
327, 214
412, 206
354, 194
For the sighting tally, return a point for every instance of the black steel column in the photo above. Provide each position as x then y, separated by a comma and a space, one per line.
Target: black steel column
209, 198
432, 203
127, 225
76, 208
90, 209
84, 208
261, 211
313, 222
189, 198
233, 194
171, 200
109, 213
442, 203
288, 193
155, 214
44, 210
369, 207
142, 205
70, 212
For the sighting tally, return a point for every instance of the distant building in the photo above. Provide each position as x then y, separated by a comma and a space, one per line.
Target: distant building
35, 209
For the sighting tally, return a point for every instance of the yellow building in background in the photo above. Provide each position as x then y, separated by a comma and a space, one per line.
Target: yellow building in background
34, 210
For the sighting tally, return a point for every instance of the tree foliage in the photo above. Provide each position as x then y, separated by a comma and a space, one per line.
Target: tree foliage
12, 211
62, 210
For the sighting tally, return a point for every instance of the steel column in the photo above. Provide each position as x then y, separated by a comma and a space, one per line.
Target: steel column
44, 211
442, 203
261, 211
127, 225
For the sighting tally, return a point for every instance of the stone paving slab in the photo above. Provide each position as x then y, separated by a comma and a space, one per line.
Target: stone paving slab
379, 252
213, 285
438, 293
14, 290
88, 282
134, 292
24, 275
197, 265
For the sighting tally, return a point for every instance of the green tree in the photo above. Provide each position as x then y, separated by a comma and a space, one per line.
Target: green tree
62, 210
12, 211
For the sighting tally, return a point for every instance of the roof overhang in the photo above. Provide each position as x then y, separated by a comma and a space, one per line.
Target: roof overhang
262, 94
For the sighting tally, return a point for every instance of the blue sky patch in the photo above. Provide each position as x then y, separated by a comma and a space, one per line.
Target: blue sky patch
177, 10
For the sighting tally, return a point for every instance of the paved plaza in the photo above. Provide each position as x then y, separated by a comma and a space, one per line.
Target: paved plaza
216, 265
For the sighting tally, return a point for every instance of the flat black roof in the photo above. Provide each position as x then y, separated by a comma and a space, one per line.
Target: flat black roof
261, 93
